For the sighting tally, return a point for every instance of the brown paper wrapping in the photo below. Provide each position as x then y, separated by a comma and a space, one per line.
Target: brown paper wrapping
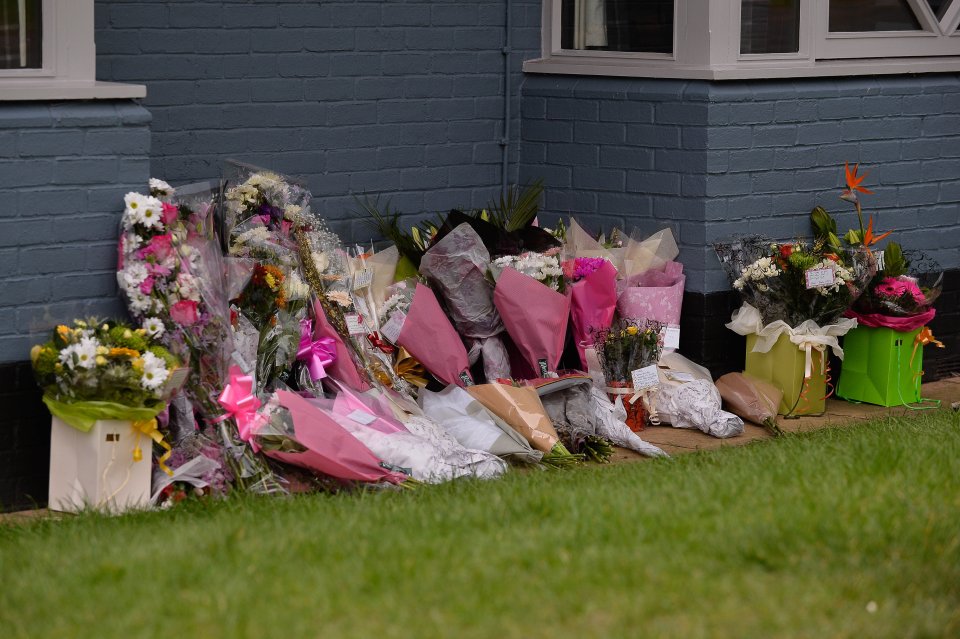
749, 397
521, 409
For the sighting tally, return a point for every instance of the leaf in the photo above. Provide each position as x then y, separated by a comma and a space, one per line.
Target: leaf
517, 208
823, 223
852, 237
894, 264
387, 223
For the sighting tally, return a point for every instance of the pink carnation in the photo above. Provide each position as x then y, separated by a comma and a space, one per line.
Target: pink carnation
170, 213
184, 313
161, 246
146, 286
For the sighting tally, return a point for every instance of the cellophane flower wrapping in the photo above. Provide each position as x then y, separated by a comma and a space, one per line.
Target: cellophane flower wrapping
771, 277
521, 408
753, 399
456, 268
535, 316
474, 426
626, 346
688, 398
432, 340
651, 253
655, 294
902, 293
593, 300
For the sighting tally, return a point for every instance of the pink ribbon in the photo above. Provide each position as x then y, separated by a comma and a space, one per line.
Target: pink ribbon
240, 403
316, 354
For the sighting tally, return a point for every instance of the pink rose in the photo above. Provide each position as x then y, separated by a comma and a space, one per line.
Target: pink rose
170, 213
161, 246
184, 312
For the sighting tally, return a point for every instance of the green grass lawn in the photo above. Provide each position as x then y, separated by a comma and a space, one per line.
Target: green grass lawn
841, 533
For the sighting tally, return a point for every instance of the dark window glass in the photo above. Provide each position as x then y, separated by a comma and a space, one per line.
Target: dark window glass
770, 26
617, 25
939, 7
872, 15
21, 35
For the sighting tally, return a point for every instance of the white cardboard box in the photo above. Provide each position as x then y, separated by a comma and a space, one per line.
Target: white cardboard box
96, 469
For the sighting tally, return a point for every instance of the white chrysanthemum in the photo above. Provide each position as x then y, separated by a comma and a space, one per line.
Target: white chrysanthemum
320, 261
291, 212
86, 352
188, 286
66, 355
133, 202
155, 372
133, 274
139, 303
160, 188
153, 326
149, 213
295, 288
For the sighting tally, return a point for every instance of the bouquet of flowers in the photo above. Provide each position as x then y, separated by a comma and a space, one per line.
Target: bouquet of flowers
543, 267
794, 282
628, 352
104, 370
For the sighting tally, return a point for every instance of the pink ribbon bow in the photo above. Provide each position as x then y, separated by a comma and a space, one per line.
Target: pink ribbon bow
316, 354
240, 403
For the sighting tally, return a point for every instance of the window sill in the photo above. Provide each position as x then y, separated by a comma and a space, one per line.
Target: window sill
16, 89
745, 70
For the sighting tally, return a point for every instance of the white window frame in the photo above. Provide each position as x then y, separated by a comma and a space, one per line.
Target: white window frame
68, 70
707, 46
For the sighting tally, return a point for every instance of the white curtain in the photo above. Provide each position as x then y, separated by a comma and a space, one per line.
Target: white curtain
590, 24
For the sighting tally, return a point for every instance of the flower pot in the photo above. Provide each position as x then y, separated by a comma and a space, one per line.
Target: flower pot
881, 366
636, 414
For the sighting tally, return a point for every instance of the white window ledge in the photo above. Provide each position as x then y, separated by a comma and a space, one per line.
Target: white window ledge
744, 70
49, 89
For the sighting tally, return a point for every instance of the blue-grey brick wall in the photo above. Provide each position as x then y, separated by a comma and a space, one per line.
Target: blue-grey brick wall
713, 160
400, 97
64, 168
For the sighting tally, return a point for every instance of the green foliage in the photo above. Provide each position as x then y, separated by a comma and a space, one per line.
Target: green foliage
516, 209
802, 260
125, 337
894, 264
386, 221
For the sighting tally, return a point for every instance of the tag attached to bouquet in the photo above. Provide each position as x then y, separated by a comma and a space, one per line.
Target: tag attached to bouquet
355, 325
362, 279
391, 329
645, 377
362, 417
671, 337
817, 277
679, 376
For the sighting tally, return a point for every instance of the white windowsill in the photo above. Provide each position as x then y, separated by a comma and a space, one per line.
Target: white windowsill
745, 70
47, 89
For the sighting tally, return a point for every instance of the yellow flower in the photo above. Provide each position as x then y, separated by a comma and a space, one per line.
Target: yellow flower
127, 334
104, 328
101, 360
271, 282
35, 353
136, 363
80, 323
632, 330
58, 367
140, 331
63, 332
124, 352
102, 350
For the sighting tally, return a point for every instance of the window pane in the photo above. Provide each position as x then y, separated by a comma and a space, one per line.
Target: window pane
939, 7
872, 15
21, 37
770, 26
617, 25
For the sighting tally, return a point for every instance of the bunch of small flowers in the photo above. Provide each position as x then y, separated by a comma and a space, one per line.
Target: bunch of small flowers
543, 267
773, 278
580, 267
103, 361
626, 346
264, 295
265, 199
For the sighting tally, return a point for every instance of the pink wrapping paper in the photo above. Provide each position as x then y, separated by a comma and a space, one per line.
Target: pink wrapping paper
342, 368
346, 402
331, 450
535, 316
593, 301
903, 324
428, 335
654, 295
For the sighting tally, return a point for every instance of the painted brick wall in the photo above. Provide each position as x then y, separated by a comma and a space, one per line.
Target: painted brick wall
63, 171
713, 160
402, 97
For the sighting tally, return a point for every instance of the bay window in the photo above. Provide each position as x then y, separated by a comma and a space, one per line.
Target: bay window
719, 39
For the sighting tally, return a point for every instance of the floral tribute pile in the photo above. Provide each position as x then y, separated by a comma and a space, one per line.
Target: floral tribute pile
468, 344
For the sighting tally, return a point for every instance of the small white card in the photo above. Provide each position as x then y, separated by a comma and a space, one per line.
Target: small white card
819, 277
645, 377
362, 417
362, 279
391, 329
671, 337
679, 376
355, 325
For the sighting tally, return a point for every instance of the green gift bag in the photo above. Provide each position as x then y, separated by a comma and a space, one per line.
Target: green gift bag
783, 366
881, 366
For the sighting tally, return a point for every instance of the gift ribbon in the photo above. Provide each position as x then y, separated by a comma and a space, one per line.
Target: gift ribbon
924, 337
316, 354
148, 427
808, 344
410, 369
376, 342
240, 403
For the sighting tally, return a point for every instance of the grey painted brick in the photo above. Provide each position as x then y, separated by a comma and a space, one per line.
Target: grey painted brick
8, 144
127, 141
380, 181
32, 290
306, 65
23, 173
309, 15
395, 14
458, 14
250, 16
751, 112
424, 178
472, 175
795, 111
47, 201
85, 171
380, 40
573, 154
817, 179
51, 142
18, 116
750, 159
730, 184
679, 161
921, 104
653, 182
837, 154
329, 89
573, 109
694, 138
899, 172
85, 114
732, 137
653, 135
589, 178
680, 113
626, 111
780, 135
921, 149
16, 232
626, 157
941, 125
905, 127
795, 158
838, 108
599, 132
880, 151
945, 169
818, 132
881, 106
917, 195
772, 182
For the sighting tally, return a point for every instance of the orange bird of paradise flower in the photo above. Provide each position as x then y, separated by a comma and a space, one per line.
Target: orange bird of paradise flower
853, 183
868, 237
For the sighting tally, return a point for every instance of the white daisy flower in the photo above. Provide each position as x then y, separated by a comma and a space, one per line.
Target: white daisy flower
86, 352
133, 274
66, 355
188, 287
155, 372
149, 213
153, 326
139, 303
159, 188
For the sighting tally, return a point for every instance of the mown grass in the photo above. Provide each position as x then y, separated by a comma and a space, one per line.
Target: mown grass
787, 538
